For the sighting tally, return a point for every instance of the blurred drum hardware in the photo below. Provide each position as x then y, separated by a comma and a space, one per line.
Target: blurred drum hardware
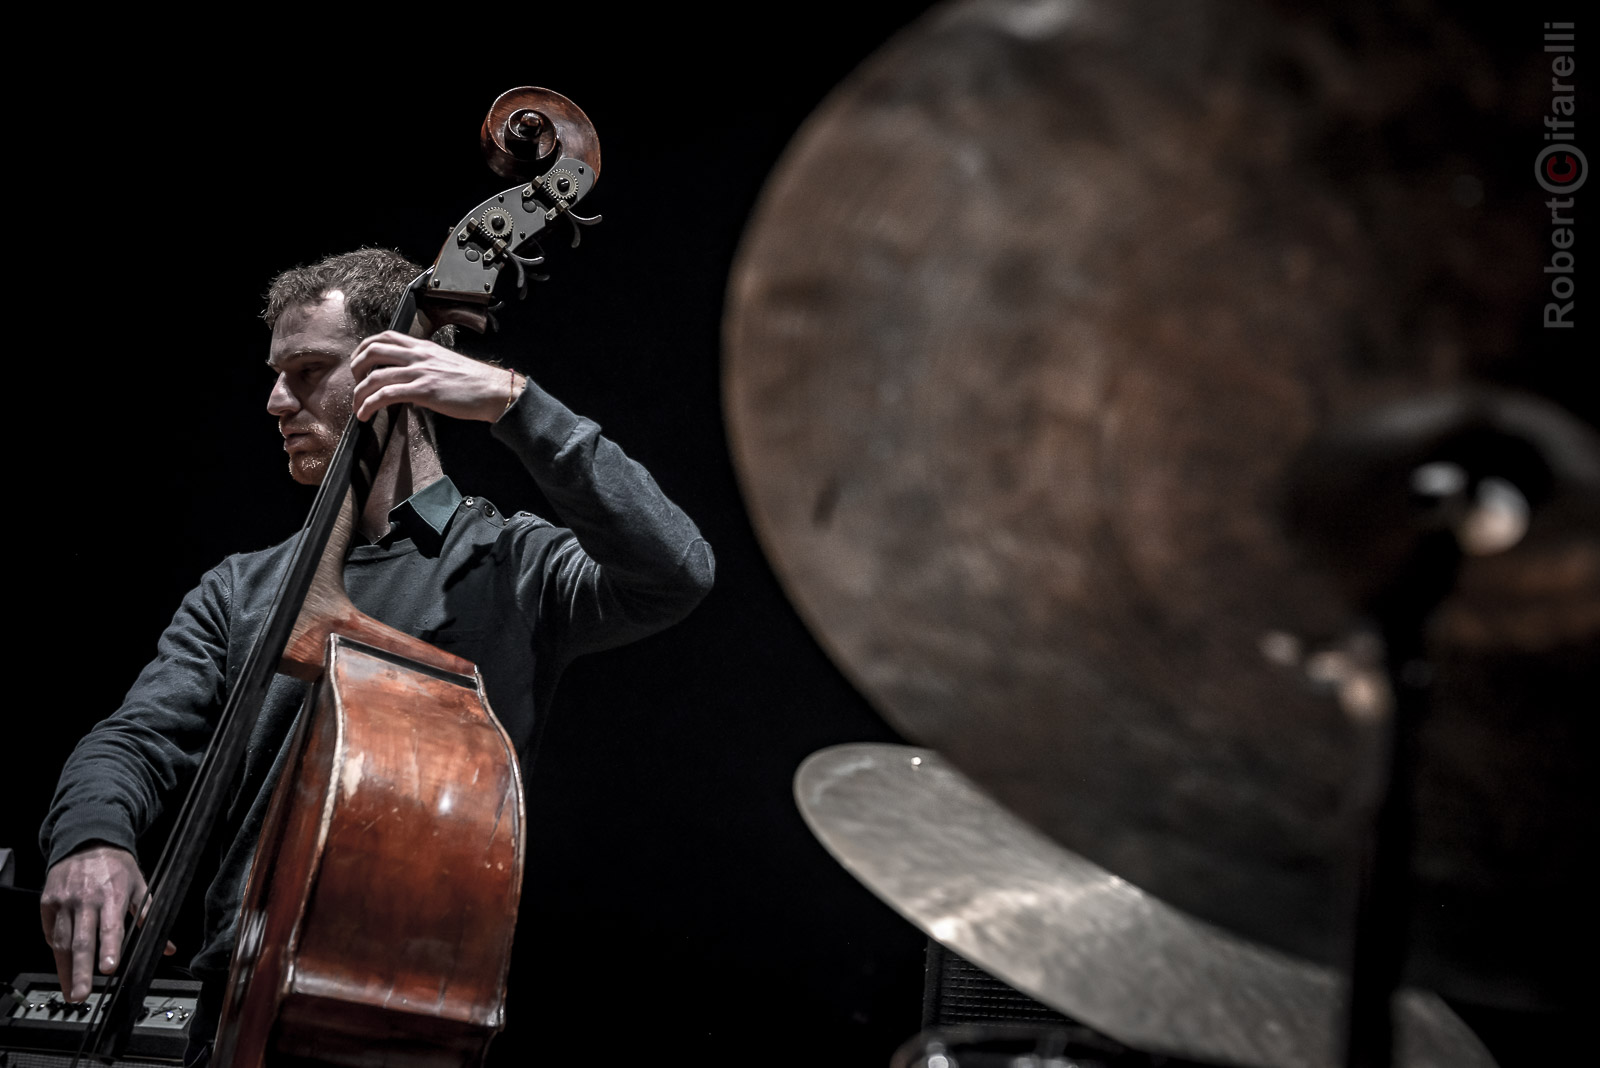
1013, 1045
1141, 401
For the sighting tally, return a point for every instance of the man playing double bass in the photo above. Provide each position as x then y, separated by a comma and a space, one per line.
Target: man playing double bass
514, 594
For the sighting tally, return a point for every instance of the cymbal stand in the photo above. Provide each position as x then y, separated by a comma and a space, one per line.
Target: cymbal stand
1392, 711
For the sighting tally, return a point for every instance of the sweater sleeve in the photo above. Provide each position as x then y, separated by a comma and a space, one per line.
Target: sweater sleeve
632, 562
113, 785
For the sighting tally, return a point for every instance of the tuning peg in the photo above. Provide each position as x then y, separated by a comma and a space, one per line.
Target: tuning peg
580, 220
521, 262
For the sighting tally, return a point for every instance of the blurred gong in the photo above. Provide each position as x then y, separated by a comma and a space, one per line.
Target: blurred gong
1037, 321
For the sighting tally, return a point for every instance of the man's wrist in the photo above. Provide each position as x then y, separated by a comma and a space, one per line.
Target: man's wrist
515, 384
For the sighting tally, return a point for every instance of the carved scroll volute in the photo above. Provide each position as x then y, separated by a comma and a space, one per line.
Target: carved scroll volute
528, 129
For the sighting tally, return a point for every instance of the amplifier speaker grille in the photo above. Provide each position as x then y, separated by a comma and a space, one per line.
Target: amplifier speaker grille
956, 991
27, 1058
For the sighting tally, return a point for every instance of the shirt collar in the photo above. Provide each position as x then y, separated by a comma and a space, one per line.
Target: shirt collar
425, 514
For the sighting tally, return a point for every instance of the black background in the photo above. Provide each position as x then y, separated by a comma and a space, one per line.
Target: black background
676, 905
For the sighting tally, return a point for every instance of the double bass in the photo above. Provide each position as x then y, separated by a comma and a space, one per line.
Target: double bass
398, 772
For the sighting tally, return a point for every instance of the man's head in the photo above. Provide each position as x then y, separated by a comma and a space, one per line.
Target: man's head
318, 314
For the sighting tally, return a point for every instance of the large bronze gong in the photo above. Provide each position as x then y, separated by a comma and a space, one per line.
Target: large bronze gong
1034, 321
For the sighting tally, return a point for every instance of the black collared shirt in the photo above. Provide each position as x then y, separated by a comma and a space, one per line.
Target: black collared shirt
514, 594
424, 515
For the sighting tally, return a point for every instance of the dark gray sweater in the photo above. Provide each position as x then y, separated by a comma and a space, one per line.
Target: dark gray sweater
514, 594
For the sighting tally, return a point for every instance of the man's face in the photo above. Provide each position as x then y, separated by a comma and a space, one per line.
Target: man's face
311, 397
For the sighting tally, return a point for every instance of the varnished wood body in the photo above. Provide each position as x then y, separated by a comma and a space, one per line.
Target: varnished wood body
376, 927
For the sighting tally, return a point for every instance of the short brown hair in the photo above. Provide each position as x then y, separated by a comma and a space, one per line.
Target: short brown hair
373, 280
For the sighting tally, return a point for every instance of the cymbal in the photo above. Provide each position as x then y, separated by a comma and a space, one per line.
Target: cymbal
1071, 934
1023, 343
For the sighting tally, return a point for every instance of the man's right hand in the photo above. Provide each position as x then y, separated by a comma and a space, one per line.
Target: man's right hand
87, 898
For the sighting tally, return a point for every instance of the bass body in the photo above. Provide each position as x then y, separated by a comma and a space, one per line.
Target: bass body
353, 949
